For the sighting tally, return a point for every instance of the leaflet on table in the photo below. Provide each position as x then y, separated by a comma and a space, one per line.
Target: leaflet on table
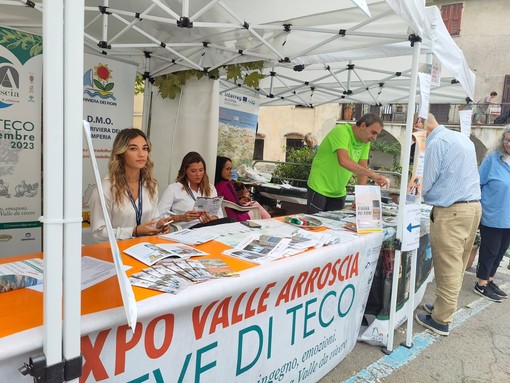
368, 208
210, 205
262, 248
191, 237
20, 274
150, 253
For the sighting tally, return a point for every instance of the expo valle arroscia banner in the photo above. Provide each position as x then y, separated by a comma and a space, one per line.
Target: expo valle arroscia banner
20, 142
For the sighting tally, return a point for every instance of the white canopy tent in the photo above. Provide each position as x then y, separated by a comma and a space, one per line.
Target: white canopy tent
164, 36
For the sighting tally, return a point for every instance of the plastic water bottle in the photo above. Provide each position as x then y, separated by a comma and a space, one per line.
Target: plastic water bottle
234, 175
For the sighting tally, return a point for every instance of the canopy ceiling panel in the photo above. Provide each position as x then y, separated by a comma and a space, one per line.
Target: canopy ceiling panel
206, 34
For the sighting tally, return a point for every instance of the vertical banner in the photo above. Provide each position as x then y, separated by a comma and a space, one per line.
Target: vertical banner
237, 127
108, 97
20, 142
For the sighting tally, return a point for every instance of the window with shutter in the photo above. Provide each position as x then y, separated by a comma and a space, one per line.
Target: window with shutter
452, 16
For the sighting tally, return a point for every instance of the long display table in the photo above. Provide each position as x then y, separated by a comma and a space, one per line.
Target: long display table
291, 320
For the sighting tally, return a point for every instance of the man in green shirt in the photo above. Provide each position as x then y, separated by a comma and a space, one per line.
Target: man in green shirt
342, 152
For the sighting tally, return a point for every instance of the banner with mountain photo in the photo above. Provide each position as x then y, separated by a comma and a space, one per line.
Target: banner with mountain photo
108, 96
237, 127
20, 142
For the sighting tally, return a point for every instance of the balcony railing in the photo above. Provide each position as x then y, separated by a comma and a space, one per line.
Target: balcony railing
490, 114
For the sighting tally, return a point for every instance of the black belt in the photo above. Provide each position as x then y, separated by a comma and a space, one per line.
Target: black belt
473, 200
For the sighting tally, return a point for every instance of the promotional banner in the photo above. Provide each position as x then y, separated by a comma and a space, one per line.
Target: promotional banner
237, 127
108, 96
20, 142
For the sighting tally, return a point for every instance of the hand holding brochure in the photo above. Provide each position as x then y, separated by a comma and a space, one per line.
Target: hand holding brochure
210, 205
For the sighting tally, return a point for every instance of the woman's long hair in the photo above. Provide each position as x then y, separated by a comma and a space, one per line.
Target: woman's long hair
116, 166
220, 164
194, 158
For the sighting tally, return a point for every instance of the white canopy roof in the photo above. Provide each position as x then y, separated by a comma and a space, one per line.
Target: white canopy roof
205, 34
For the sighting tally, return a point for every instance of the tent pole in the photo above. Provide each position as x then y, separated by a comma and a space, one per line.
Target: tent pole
401, 209
53, 177
73, 144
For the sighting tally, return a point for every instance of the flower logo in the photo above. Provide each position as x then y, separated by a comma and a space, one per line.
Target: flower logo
102, 74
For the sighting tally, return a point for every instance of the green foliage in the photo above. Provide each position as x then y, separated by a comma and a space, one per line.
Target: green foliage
170, 85
139, 85
392, 148
297, 170
24, 45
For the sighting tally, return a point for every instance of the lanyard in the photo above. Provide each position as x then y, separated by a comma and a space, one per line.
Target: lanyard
139, 209
190, 192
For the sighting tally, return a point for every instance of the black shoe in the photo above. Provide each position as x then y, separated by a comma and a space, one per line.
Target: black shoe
487, 293
428, 307
495, 288
427, 322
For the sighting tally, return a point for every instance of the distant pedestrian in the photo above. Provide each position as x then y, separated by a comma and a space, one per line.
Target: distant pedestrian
495, 226
311, 141
451, 184
481, 107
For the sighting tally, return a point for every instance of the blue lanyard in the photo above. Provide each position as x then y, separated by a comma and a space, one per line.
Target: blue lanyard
139, 209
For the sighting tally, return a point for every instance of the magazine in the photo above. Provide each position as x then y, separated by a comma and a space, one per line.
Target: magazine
210, 205
20, 274
150, 253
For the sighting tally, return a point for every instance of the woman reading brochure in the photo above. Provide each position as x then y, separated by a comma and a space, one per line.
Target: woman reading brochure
180, 197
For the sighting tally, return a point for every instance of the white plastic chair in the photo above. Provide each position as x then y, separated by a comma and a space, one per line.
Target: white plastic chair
255, 212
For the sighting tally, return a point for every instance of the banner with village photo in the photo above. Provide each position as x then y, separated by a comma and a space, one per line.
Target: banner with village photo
20, 142
237, 127
108, 96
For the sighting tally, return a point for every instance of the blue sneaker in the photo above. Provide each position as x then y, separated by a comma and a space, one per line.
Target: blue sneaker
428, 307
427, 322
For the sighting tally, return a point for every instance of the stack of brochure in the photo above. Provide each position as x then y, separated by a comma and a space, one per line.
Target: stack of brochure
172, 276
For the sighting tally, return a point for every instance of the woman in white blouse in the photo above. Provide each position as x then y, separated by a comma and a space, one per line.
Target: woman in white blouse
130, 191
179, 197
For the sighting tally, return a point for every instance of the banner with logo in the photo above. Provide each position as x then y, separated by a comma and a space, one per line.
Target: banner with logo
20, 142
237, 127
108, 96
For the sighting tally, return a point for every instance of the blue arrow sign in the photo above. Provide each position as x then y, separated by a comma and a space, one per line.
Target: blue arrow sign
411, 227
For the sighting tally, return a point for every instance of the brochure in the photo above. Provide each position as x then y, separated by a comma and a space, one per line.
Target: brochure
150, 253
191, 237
217, 267
210, 205
368, 208
262, 249
20, 274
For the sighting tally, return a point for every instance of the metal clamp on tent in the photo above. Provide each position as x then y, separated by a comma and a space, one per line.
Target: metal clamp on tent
184, 22
414, 39
104, 45
30, 3
103, 10
64, 371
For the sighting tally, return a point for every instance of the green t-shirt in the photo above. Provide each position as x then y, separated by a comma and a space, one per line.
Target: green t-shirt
327, 177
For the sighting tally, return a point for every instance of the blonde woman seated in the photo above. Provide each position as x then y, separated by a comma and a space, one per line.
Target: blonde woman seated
130, 191
179, 197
